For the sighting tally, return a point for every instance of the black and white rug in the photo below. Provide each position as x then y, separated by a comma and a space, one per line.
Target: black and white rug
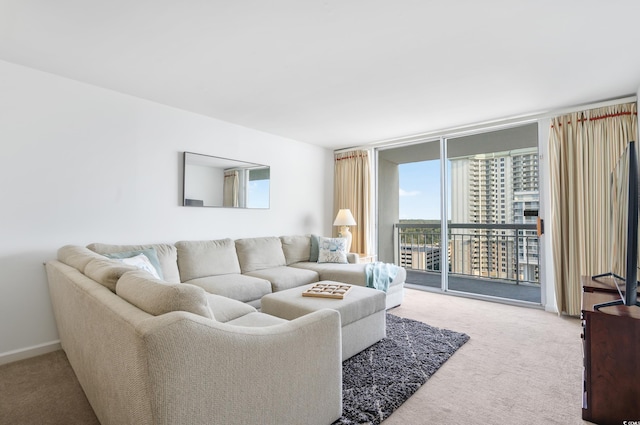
378, 380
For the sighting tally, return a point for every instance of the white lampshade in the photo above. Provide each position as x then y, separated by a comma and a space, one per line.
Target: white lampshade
344, 218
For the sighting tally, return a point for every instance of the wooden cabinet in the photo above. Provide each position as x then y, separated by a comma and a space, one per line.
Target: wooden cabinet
611, 343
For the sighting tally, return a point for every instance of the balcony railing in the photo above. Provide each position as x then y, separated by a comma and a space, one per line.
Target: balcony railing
507, 252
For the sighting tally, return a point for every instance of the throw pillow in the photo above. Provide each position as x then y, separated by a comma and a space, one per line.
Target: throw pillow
150, 253
332, 250
315, 249
142, 262
167, 256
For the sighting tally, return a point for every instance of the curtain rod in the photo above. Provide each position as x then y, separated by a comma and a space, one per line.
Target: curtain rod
488, 124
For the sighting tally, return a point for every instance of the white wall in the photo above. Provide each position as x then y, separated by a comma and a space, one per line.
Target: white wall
81, 164
388, 182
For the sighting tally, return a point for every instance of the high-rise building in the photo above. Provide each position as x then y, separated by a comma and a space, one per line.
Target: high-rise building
420, 257
490, 189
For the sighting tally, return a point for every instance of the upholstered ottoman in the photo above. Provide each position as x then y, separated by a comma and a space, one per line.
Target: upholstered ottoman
362, 313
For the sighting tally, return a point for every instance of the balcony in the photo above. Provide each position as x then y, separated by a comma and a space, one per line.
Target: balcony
495, 260
475, 285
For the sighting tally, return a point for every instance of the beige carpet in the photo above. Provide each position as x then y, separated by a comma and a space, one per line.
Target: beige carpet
43, 390
521, 366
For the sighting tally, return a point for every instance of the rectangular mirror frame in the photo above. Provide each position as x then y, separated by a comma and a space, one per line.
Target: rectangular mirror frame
211, 181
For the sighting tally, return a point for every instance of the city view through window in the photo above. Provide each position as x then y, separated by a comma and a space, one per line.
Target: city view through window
490, 195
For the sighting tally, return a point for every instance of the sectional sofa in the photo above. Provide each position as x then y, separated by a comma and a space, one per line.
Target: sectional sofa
247, 269
190, 344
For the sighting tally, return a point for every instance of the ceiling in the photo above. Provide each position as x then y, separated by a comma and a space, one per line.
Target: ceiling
337, 73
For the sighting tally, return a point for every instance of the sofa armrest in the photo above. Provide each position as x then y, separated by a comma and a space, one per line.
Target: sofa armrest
353, 258
203, 372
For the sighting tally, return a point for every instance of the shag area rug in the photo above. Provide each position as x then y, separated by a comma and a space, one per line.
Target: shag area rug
376, 381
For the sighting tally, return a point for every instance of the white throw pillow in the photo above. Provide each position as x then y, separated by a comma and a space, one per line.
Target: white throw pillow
332, 250
142, 262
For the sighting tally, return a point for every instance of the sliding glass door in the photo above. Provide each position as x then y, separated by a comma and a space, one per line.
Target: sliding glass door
409, 194
495, 201
486, 184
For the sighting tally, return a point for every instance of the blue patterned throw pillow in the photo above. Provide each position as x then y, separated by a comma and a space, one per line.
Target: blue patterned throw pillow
332, 250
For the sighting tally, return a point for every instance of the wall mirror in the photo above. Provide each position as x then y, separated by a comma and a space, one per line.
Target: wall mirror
210, 181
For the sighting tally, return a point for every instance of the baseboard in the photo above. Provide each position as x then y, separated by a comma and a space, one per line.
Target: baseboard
25, 353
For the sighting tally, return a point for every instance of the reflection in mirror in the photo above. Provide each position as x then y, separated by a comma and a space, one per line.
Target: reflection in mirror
210, 181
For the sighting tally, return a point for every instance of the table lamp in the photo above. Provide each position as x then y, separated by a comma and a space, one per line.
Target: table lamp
345, 219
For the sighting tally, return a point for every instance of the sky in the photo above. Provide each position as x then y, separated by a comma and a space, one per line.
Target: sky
420, 190
258, 194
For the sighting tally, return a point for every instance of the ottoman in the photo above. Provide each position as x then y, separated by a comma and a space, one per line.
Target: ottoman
362, 313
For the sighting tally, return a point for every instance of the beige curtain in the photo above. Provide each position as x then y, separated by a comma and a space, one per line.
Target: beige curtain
230, 189
352, 190
583, 149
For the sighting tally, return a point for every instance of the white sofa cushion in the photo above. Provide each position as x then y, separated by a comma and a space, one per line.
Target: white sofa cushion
256, 320
167, 255
260, 253
282, 278
206, 258
296, 248
77, 256
236, 286
225, 309
158, 297
106, 271
353, 274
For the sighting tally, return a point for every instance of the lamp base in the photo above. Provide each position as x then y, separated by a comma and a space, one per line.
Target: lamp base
345, 233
